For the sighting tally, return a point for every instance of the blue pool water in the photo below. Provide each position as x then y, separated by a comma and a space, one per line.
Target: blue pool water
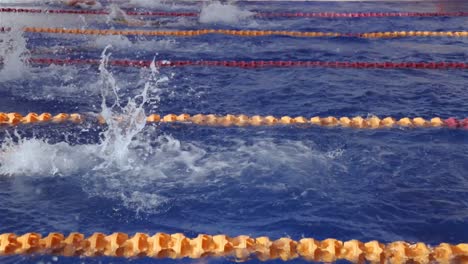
387, 185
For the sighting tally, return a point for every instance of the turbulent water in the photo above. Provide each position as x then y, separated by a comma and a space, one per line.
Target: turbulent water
389, 184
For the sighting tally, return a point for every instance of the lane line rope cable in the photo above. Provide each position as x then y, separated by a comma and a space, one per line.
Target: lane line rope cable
244, 33
258, 64
161, 245
371, 122
260, 14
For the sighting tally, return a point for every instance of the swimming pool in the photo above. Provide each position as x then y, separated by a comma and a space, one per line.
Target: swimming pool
277, 181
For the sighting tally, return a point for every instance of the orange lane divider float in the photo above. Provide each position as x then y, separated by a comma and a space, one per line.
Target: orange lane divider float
259, 64
372, 122
261, 14
245, 33
161, 245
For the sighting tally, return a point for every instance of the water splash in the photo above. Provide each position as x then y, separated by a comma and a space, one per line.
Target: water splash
144, 169
216, 12
113, 156
123, 42
13, 54
158, 170
131, 118
116, 14
21, 156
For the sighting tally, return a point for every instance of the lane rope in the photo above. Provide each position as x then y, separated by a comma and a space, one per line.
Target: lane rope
258, 64
363, 14
260, 14
245, 33
371, 122
161, 245
96, 12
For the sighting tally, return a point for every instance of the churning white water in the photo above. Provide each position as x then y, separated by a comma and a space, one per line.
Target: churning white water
13, 53
216, 12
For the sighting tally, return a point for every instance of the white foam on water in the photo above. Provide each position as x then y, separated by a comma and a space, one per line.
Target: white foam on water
117, 41
66, 83
38, 157
115, 12
139, 175
152, 4
20, 20
96, 5
146, 3
216, 12
14, 54
122, 42
58, 82
26, 1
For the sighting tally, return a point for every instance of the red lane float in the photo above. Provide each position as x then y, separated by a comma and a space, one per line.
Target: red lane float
263, 15
364, 14
260, 64
452, 122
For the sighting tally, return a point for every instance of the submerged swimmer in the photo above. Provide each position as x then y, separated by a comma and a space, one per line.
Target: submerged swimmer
119, 16
116, 14
84, 3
